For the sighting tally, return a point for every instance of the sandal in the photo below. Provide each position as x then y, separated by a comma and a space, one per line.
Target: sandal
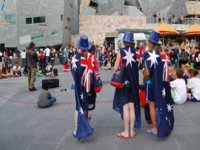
120, 135
150, 132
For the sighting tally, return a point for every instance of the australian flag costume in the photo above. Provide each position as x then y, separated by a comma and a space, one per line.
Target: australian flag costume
130, 92
160, 93
83, 73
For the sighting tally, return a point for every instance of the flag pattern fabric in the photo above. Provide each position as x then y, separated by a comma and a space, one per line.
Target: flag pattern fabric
88, 64
157, 66
82, 69
129, 57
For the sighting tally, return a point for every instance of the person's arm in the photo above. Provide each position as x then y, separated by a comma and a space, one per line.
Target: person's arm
146, 75
189, 86
116, 66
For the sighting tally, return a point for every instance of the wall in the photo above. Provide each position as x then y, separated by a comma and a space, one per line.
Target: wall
50, 34
97, 27
193, 7
8, 28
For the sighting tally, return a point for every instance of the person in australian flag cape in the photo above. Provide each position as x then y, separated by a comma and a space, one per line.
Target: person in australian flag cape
157, 88
83, 67
126, 99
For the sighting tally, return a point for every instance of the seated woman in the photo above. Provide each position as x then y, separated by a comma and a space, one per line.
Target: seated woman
193, 86
5, 73
16, 70
48, 69
178, 88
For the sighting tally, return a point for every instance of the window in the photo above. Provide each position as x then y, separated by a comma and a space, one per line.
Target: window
39, 20
28, 20
61, 17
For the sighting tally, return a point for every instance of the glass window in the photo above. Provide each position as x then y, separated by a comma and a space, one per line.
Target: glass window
28, 20
61, 17
39, 20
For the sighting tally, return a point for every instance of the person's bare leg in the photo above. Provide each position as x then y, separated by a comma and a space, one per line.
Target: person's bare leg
75, 121
153, 117
126, 117
132, 119
89, 115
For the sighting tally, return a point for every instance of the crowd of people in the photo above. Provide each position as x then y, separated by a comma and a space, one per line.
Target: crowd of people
171, 19
170, 75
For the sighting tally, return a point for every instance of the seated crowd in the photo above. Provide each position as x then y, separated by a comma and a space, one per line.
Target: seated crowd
185, 85
9, 70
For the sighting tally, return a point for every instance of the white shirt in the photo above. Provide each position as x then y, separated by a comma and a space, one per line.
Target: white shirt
47, 52
23, 55
179, 90
15, 68
194, 85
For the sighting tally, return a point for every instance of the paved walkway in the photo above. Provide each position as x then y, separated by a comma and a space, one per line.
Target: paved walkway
25, 127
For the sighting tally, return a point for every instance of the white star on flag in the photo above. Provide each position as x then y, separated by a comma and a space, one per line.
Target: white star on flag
153, 58
163, 93
169, 107
81, 96
129, 57
74, 60
81, 111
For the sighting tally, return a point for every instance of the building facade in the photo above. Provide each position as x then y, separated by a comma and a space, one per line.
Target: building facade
22, 21
106, 19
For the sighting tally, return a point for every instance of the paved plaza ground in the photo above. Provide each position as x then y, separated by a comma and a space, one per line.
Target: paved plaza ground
25, 127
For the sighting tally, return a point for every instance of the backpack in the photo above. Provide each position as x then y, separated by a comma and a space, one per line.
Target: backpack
183, 56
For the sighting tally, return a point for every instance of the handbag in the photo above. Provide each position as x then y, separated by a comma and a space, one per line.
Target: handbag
118, 78
97, 82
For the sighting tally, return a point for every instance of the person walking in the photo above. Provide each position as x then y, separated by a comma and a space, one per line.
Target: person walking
126, 99
31, 59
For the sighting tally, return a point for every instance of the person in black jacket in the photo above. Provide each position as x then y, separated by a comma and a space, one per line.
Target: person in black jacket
31, 58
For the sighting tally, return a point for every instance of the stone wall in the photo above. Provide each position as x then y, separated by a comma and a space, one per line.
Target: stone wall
84, 4
193, 7
96, 27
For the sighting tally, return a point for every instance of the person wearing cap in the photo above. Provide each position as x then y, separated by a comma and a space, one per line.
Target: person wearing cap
158, 93
83, 66
126, 99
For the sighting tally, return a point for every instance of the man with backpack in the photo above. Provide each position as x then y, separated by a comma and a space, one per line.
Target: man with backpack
183, 58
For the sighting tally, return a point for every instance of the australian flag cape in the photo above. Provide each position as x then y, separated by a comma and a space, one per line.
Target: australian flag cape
157, 64
130, 58
84, 129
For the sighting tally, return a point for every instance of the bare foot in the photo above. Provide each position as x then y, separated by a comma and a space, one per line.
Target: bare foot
123, 135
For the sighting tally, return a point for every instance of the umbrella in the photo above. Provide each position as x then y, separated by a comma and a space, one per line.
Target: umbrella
166, 29
193, 30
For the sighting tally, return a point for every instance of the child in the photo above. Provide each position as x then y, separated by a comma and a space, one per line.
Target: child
185, 67
178, 88
193, 86
45, 99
